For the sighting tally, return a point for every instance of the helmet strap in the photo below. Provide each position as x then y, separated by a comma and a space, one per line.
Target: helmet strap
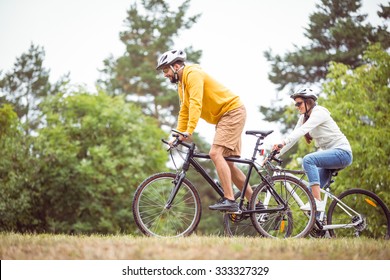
306, 111
175, 79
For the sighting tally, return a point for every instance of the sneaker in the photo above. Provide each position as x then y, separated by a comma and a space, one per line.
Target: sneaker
262, 218
225, 205
319, 204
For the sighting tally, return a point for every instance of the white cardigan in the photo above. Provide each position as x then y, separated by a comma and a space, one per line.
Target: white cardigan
322, 128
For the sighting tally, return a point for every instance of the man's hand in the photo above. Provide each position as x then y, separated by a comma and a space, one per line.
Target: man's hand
185, 137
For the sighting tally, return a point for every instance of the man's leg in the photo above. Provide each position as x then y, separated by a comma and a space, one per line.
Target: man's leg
223, 170
227, 142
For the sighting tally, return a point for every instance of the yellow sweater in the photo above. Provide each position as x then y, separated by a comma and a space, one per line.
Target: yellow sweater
202, 97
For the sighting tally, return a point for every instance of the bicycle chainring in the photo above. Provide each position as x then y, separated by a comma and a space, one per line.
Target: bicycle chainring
235, 218
316, 232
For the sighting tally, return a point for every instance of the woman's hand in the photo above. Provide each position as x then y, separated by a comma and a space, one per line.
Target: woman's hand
278, 147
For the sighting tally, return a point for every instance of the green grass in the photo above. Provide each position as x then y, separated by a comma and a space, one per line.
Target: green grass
125, 247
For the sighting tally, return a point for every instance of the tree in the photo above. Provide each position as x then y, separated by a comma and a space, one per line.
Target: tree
337, 32
151, 30
358, 100
17, 167
27, 84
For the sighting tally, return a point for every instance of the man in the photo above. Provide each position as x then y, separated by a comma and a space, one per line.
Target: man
203, 97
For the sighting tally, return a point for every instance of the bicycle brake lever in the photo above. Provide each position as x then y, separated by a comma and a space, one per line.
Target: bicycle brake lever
272, 157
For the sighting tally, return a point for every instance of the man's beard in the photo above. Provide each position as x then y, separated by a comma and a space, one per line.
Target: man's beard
174, 79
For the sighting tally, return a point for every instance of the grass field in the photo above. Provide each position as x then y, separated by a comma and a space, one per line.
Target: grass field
126, 247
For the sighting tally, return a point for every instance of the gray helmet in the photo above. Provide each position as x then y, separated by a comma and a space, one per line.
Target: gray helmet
170, 57
305, 93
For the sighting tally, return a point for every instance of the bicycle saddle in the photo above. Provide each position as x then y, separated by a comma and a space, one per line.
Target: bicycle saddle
259, 132
335, 172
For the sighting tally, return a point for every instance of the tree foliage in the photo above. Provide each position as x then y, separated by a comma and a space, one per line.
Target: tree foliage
17, 168
151, 28
27, 84
8, 120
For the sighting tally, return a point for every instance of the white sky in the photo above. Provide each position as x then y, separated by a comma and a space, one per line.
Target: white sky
78, 35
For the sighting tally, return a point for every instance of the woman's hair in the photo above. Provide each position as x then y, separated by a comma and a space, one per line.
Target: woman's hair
310, 103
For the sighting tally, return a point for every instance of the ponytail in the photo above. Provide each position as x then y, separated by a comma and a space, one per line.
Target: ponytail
311, 103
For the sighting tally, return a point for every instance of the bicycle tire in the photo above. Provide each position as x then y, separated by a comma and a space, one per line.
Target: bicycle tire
292, 222
376, 217
151, 214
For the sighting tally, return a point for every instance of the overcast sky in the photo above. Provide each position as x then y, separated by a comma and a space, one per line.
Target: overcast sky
78, 35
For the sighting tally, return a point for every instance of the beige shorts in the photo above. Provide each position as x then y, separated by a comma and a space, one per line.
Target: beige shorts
228, 131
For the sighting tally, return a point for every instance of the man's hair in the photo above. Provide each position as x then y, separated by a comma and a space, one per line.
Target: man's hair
179, 62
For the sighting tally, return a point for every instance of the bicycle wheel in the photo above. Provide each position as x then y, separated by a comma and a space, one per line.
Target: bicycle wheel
154, 218
291, 222
362, 208
239, 224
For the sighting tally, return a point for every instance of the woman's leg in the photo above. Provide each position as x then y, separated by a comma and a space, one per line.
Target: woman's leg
328, 159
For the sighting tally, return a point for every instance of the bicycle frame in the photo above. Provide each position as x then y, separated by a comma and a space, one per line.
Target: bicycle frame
327, 195
343, 206
190, 160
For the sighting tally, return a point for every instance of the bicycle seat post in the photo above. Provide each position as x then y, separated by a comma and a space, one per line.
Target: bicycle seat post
256, 149
333, 174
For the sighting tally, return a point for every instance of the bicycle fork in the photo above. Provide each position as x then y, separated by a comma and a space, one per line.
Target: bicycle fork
177, 183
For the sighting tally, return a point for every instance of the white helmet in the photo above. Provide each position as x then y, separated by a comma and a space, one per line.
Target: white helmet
305, 93
170, 57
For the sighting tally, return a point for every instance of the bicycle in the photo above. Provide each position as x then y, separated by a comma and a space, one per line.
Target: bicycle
168, 205
355, 212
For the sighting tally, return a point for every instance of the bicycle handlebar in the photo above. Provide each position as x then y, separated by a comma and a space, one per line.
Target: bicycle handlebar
272, 155
176, 142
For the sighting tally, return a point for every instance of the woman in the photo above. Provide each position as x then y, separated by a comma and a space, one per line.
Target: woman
315, 123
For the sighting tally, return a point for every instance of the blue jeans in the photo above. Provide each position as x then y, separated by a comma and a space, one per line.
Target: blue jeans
318, 165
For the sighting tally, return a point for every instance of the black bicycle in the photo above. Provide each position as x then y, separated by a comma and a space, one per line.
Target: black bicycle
168, 205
